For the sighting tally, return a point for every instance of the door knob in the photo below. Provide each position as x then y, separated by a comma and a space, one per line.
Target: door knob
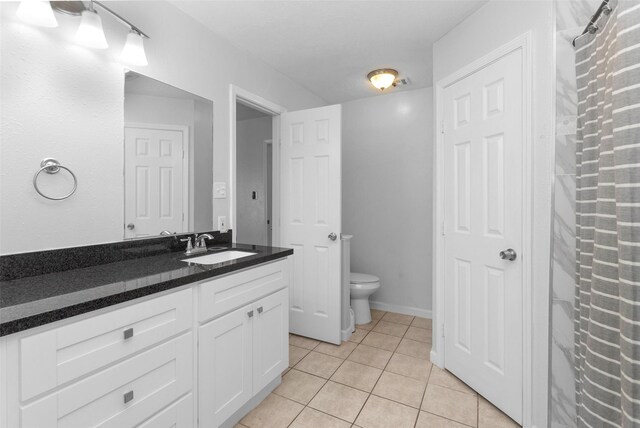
333, 236
131, 226
508, 254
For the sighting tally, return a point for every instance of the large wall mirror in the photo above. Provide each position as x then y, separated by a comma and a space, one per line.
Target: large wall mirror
122, 134
141, 151
168, 155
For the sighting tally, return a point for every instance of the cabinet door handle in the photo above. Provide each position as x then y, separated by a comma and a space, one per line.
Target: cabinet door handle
128, 396
250, 313
128, 333
260, 310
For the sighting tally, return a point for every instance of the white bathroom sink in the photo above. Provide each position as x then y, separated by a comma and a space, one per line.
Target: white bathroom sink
212, 259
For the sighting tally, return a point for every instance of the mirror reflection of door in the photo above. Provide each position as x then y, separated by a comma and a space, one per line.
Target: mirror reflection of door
156, 183
168, 159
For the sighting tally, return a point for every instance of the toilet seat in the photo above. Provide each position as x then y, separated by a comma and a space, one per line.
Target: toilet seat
362, 278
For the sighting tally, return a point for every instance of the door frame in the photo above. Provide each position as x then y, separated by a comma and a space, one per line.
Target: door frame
268, 199
187, 173
237, 94
534, 389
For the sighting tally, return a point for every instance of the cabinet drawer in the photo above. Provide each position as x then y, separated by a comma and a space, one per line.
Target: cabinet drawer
121, 396
63, 354
177, 415
230, 292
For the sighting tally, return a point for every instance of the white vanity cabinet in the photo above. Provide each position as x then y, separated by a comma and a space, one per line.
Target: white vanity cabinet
191, 357
113, 369
243, 351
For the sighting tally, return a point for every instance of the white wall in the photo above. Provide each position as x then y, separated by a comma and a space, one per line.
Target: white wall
386, 204
250, 136
492, 26
65, 101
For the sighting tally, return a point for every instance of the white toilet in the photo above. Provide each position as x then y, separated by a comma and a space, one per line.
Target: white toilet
362, 286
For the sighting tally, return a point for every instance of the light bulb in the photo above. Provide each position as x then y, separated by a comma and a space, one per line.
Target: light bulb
133, 52
37, 12
90, 33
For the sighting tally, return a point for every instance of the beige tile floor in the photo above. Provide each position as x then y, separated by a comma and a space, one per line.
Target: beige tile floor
381, 378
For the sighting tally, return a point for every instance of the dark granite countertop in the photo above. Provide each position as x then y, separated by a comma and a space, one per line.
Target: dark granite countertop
41, 299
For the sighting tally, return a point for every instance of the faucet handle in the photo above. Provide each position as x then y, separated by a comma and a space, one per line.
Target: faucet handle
189, 244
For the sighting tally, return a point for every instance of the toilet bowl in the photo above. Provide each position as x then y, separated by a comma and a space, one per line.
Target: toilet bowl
362, 286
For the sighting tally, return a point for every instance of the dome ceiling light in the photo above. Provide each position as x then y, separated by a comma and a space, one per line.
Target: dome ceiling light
382, 78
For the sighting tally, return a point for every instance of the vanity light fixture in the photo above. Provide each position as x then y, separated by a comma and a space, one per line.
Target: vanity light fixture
382, 78
90, 32
37, 12
133, 52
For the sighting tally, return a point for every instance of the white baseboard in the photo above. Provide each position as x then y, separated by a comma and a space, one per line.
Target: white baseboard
435, 359
346, 334
405, 310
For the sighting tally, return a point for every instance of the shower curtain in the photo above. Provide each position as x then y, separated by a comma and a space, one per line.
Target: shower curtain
607, 307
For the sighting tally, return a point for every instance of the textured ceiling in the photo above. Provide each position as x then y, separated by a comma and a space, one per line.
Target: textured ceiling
330, 46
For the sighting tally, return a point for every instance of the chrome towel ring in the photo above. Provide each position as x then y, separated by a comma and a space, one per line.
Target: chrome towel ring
52, 166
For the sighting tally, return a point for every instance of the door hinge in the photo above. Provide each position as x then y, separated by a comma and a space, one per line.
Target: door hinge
443, 229
442, 127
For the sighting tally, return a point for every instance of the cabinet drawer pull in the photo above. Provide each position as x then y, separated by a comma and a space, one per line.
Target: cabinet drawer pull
128, 396
260, 310
128, 333
250, 313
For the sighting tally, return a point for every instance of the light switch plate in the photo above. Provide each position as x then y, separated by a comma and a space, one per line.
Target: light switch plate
219, 190
222, 223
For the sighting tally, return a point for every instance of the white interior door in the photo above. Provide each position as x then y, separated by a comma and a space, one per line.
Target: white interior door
483, 145
311, 218
154, 181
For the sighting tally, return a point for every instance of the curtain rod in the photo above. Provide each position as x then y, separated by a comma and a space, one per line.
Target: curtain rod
592, 27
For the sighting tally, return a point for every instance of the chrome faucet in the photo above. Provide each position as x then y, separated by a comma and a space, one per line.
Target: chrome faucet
199, 247
199, 242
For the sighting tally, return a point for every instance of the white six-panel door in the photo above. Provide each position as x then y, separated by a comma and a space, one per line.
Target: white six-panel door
154, 181
311, 216
483, 179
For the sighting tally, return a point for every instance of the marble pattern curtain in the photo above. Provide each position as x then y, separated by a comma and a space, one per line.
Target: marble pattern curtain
607, 308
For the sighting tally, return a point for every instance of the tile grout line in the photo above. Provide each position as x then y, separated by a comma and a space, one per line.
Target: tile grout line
377, 380
424, 394
384, 370
326, 381
306, 405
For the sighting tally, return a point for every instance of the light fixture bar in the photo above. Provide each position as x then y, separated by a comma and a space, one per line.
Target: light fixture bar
133, 27
77, 7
